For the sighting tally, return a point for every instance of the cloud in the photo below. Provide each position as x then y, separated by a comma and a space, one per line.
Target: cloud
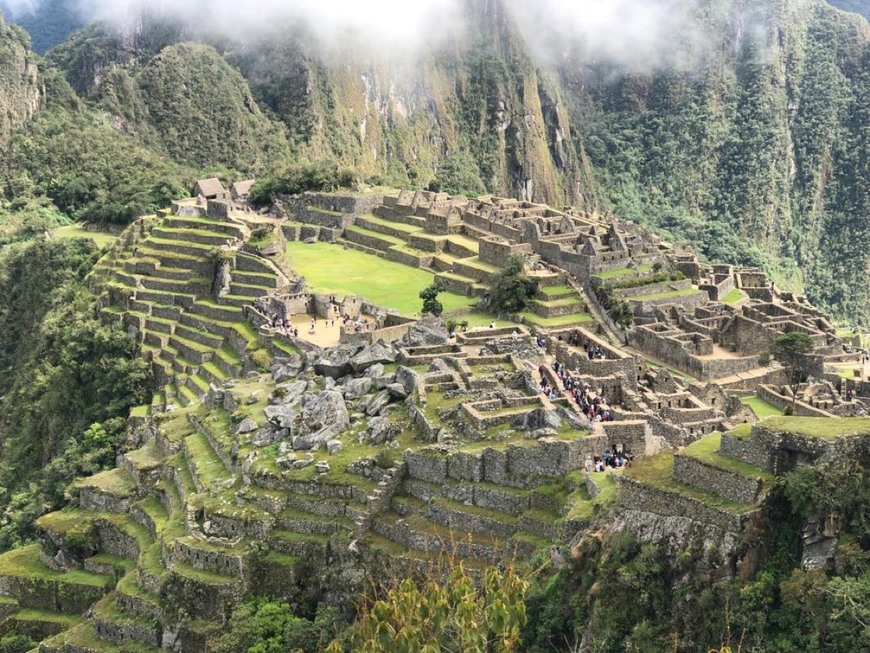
384, 24
638, 34
18, 8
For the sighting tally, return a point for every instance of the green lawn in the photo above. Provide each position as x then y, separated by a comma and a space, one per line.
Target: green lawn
760, 407
622, 272
707, 450
333, 269
734, 296
819, 427
563, 320
685, 292
102, 238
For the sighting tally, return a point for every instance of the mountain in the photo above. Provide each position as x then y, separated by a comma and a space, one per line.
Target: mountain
21, 89
50, 23
857, 6
743, 136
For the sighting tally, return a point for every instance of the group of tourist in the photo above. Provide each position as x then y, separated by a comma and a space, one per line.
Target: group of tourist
612, 459
575, 339
593, 406
277, 323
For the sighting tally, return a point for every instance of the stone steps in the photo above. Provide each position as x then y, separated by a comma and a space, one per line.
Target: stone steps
222, 312
246, 290
262, 279
184, 300
372, 239
249, 263
195, 286
401, 217
200, 236
298, 544
188, 332
379, 225
133, 599
308, 523
112, 624
194, 250
196, 224
455, 282
165, 258
38, 624
237, 301
187, 397
194, 351
83, 639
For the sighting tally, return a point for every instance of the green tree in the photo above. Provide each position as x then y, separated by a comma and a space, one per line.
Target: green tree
453, 616
429, 295
791, 349
260, 625
512, 289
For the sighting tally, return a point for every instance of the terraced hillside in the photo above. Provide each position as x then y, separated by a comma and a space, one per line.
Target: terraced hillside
159, 280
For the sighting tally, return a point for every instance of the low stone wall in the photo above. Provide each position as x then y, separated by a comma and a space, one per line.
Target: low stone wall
734, 487
632, 495
778, 452
782, 402
128, 632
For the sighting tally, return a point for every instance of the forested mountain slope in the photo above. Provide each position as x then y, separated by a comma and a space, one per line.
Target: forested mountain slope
746, 137
759, 155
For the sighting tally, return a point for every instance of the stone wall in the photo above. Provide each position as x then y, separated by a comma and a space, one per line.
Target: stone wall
632, 495
802, 409
734, 487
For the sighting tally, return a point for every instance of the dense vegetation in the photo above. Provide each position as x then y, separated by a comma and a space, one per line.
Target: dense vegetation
756, 157
68, 380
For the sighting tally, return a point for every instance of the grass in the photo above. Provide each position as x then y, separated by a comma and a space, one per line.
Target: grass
657, 471
670, 294
741, 431
25, 562
734, 296
556, 290
706, 450
332, 269
760, 407
562, 320
622, 272
101, 238
482, 320
115, 482
819, 427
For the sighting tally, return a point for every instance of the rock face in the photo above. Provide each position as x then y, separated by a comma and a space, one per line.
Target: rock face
371, 355
21, 87
428, 331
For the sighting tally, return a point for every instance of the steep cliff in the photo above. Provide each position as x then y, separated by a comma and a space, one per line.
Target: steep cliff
757, 152
21, 91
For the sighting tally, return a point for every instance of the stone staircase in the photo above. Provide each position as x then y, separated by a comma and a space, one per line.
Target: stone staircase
158, 281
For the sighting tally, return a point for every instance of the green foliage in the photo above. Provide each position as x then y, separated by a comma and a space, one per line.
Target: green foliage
455, 616
70, 381
16, 644
429, 295
618, 308
88, 170
512, 290
459, 174
323, 175
791, 349
203, 113
263, 626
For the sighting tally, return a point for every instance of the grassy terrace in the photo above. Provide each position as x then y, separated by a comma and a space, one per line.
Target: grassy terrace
706, 450
584, 506
550, 291
332, 269
657, 471
670, 294
101, 238
25, 562
734, 296
819, 427
562, 320
622, 272
760, 407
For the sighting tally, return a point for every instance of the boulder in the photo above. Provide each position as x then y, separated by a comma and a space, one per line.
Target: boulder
378, 403
439, 365
408, 378
374, 371
428, 331
541, 419
381, 430
287, 370
289, 393
247, 425
334, 446
284, 415
357, 388
372, 355
323, 409
335, 363
397, 390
